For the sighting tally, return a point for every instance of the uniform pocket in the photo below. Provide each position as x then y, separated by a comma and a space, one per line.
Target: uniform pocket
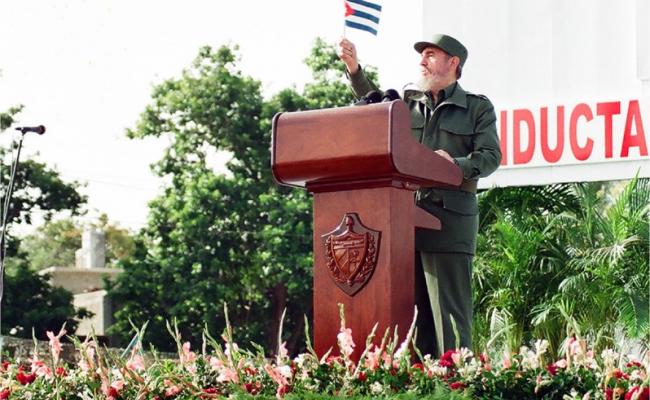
456, 128
460, 202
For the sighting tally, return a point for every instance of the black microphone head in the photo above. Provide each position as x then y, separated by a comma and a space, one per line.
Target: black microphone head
36, 129
390, 95
373, 96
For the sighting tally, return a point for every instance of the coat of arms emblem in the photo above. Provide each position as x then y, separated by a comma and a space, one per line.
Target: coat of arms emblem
351, 251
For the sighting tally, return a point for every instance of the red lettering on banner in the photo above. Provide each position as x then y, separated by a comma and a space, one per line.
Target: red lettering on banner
521, 156
580, 153
581, 133
552, 155
608, 110
503, 138
638, 140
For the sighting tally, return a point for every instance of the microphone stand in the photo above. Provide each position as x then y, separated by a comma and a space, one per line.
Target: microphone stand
3, 221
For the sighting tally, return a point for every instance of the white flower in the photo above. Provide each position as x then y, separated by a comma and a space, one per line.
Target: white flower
541, 346
376, 388
470, 369
529, 358
637, 375
610, 358
438, 370
285, 371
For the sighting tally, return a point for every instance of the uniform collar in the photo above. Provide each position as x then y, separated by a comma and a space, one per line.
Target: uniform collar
454, 94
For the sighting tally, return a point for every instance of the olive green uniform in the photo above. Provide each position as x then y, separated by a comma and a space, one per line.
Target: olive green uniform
464, 125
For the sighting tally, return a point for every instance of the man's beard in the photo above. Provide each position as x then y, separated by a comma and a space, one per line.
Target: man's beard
426, 83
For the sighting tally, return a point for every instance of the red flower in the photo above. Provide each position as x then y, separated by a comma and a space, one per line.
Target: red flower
418, 366
5, 365
362, 376
5, 394
25, 379
282, 390
618, 374
60, 371
457, 386
210, 390
253, 388
446, 360
552, 369
609, 394
112, 392
645, 393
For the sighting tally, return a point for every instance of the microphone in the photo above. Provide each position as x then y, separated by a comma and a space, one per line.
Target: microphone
373, 96
37, 129
390, 95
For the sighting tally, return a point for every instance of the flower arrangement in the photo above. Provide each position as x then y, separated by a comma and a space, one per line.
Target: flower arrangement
384, 370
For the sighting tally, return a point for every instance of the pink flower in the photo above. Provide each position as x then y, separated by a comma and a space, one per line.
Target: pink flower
277, 375
187, 356
280, 376
55, 343
135, 363
216, 363
283, 353
228, 375
506, 360
346, 343
455, 356
40, 368
118, 384
372, 359
576, 347
172, 390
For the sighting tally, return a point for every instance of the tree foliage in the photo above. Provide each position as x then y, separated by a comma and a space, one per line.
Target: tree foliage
31, 303
233, 237
55, 242
564, 259
28, 300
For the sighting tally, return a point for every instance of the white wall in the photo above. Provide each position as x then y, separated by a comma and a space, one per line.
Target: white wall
526, 54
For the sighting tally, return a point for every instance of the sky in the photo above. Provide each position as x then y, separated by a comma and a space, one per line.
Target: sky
86, 68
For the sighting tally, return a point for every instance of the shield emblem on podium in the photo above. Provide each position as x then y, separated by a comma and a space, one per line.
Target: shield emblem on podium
351, 253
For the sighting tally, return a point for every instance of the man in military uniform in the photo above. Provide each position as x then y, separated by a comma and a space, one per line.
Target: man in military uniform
461, 127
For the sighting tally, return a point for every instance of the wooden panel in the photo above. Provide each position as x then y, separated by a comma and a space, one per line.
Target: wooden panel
387, 298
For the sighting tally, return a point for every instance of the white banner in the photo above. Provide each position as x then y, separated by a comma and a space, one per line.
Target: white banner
578, 141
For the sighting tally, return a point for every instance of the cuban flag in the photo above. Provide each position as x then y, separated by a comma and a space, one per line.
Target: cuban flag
362, 14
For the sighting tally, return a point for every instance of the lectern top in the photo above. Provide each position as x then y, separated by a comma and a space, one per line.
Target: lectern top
358, 145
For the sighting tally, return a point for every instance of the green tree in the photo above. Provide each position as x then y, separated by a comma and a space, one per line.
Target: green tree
29, 301
55, 242
213, 238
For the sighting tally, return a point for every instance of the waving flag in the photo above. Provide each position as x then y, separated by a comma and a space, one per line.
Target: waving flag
362, 14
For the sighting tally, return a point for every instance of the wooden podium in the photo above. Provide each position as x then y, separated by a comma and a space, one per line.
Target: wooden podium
362, 165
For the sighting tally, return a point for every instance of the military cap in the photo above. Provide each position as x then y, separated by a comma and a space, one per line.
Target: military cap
447, 43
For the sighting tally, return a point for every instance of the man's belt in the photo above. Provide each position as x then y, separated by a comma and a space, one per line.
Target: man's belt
469, 185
